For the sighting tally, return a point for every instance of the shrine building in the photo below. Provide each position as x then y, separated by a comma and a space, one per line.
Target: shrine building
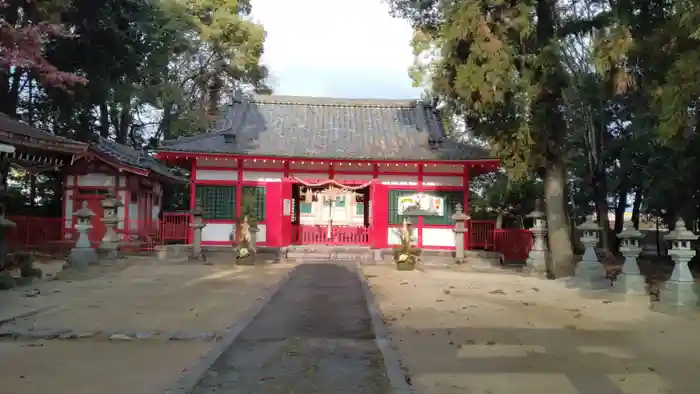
329, 171
136, 179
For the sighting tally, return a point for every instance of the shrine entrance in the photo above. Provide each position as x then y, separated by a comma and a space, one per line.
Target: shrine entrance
330, 213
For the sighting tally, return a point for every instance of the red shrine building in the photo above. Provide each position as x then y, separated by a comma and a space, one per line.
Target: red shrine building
135, 177
329, 171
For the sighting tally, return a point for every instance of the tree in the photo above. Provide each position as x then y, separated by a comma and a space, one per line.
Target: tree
500, 69
25, 28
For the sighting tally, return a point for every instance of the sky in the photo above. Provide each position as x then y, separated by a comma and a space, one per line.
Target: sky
336, 48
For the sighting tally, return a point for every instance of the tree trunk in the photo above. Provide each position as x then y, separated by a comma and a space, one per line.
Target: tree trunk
104, 120
637, 206
621, 208
602, 209
561, 249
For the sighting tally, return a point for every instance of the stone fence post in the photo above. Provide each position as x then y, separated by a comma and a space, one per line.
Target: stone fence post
460, 229
677, 295
197, 225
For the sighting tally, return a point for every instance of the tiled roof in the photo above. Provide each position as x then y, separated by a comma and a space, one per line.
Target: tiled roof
14, 130
285, 126
133, 158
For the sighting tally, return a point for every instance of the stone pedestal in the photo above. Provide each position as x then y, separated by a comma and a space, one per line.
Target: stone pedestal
678, 293
590, 273
197, 225
630, 281
536, 263
83, 253
460, 229
110, 241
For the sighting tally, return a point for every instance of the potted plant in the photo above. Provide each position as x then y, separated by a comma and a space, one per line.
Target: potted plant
405, 255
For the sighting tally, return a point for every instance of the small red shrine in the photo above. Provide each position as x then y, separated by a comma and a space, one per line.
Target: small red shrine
330, 171
135, 177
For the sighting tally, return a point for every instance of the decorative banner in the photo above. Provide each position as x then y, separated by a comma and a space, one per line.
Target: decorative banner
421, 205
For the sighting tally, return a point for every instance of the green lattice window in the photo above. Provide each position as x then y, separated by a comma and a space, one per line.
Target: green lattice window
450, 200
219, 202
254, 197
360, 209
394, 195
305, 208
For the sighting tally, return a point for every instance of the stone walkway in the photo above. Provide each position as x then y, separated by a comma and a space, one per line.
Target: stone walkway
314, 336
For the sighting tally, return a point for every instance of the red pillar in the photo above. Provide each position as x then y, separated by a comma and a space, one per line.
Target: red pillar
465, 183
419, 225
273, 214
193, 200
379, 230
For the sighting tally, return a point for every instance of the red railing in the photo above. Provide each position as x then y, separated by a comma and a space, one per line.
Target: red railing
176, 227
339, 235
514, 244
481, 234
36, 233
49, 235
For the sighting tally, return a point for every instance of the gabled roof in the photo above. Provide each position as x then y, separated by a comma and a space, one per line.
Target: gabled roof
286, 126
129, 157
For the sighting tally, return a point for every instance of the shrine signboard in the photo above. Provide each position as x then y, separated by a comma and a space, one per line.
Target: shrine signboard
421, 205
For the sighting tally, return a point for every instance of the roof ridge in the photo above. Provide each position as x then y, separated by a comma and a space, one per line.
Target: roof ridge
195, 137
331, 101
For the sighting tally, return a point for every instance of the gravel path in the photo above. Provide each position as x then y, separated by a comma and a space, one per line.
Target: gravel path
314, 336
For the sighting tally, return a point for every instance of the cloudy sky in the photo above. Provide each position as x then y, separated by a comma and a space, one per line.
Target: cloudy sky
337, 48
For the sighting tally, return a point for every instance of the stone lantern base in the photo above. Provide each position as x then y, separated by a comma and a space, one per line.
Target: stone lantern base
536, 263
80, 258
630, 284
677, 298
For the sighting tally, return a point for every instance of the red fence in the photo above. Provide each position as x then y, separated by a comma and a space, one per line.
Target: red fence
514, 244
481, 234
339, 235
48, 234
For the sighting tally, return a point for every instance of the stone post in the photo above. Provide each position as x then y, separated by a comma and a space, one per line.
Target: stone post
110, 241
590, 273
536, 263
197, 225
83, 254
630, 281
677, 295
460, 229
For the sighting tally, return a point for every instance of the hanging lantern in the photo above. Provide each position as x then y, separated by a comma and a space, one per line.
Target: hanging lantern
308, 196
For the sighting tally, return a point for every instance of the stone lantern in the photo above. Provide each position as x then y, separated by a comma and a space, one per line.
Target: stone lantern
110, 241
677, 295
83, 254
460, 229
630, 280
197, 225
536, 263
590, 273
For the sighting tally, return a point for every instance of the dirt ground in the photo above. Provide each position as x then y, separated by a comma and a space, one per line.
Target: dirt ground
476, 333
134, 296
